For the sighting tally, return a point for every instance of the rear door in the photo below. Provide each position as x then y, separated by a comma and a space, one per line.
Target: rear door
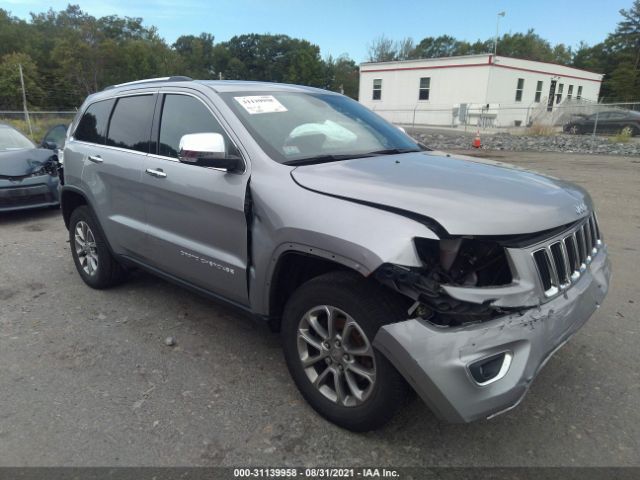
113, 168
196, 220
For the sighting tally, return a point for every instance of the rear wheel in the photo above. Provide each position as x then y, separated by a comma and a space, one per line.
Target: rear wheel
575, 130
328, 329
93, 260
628, 131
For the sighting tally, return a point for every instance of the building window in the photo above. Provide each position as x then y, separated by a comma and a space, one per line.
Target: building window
377, 89
579, 96
570, 92
425, 86
539, 91
519, 89
559, 93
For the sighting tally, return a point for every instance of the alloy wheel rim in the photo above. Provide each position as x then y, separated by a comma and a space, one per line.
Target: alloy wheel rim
336, 355
86, 249
627, 131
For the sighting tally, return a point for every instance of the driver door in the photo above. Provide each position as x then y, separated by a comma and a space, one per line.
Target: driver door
196, 225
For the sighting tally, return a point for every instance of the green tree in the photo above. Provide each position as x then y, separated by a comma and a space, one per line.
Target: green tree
624, 43
437, 47
342, 75
10, 87
197, 54
276, 58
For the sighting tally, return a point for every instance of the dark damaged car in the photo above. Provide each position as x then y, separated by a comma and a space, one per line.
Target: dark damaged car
29, 173
383, 264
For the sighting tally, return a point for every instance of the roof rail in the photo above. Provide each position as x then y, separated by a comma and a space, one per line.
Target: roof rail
176, 78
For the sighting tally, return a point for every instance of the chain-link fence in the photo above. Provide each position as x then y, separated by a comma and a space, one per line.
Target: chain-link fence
39, 121
600, 118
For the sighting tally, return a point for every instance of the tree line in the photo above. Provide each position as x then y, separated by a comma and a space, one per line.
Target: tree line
68, 54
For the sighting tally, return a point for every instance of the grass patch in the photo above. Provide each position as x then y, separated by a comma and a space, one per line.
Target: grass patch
40, 126
538, 130
622, 137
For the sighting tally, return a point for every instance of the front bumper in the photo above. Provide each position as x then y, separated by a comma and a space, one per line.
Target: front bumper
32, 192
435, 360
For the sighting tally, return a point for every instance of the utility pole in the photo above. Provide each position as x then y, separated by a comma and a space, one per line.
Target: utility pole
495, 43
24, 101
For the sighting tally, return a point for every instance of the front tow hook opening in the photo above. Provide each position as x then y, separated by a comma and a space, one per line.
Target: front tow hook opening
490, 369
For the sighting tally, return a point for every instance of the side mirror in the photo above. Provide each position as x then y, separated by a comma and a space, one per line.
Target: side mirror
50, 145
206, 150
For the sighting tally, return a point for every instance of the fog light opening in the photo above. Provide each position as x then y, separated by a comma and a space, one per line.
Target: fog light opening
491, 369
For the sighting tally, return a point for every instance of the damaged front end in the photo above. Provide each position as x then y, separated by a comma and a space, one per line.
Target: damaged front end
463, 280
487, 314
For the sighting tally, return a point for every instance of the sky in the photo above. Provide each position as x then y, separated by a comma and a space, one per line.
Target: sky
348, 26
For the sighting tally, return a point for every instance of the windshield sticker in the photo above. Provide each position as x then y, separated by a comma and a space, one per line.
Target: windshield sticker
260, 104
291, 150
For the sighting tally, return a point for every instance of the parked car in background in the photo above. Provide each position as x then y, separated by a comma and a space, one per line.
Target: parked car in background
611, 122
29, 173
382, 263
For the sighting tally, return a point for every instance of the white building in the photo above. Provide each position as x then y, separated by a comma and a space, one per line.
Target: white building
473, 89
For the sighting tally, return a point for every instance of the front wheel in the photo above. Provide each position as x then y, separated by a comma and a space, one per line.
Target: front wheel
328, 328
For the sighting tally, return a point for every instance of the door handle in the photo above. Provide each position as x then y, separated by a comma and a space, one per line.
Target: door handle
95, 159
156, 173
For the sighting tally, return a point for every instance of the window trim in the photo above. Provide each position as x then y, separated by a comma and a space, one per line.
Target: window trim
421, 89
374, 90
579, 93
519, 90
569, 92
157, 119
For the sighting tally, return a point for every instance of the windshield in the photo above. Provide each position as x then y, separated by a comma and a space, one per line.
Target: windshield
11, 139
297, 128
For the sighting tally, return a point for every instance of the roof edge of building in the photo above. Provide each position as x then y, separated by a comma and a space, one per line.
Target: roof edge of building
478, 55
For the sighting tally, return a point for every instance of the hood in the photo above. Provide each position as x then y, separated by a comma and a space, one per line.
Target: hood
18, 163
466, 196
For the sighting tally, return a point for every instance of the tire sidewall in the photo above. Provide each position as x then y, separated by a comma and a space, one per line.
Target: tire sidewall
357, 418
100, 277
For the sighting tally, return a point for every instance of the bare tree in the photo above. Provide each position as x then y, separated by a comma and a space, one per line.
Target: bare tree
382, 49
405, 48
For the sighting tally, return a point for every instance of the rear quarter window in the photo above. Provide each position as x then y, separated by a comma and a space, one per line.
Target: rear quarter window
93, 124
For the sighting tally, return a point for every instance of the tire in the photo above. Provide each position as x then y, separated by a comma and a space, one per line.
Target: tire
370, 306
575, 130
105, 272
629, 130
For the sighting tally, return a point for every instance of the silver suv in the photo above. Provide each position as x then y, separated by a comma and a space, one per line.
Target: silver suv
386, 266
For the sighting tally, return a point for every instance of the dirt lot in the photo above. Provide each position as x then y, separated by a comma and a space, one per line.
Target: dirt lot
86, 379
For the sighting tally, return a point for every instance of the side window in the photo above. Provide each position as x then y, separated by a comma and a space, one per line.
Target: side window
93, 124
538, 91
130, 125
181, 115
425, 87
519, 89
377, 89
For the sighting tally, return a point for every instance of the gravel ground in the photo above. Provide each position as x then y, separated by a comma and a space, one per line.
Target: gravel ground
561, 143
87, 379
